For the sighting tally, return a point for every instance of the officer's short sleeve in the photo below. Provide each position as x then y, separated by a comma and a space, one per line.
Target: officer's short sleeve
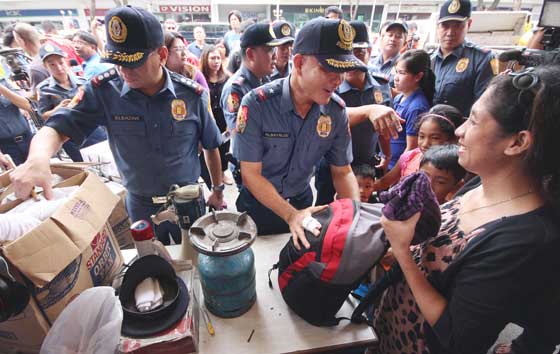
210, 134
248, 140
483, 75
340, 152
230, 102
84, 113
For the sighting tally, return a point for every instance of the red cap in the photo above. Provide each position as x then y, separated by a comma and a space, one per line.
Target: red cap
142, 230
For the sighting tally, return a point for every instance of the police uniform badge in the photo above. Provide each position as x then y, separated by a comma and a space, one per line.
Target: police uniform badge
49, 48
178, 109
378, 96
346, 34
324, 126
117, 30
454, 6
242, 117
462, 65
286, 30
233, 102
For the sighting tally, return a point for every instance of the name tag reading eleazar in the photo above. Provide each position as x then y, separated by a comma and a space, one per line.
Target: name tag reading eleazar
127, 118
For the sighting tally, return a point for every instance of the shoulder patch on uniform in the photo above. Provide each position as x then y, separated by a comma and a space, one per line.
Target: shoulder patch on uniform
267, 91
104, 77
239, 81
379, 77
193, 85
336, 98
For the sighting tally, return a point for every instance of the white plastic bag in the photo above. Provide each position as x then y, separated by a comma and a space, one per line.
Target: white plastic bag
90, 324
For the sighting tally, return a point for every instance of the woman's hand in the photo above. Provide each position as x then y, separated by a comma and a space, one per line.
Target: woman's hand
400, 233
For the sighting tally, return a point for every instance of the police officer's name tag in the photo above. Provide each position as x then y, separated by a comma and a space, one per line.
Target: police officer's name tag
276, 135
127, 118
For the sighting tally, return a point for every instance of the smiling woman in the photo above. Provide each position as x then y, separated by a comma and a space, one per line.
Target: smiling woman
498, 246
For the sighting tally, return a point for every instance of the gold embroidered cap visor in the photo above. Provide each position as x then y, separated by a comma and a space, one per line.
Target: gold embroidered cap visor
127, 58
453, 18
341, 63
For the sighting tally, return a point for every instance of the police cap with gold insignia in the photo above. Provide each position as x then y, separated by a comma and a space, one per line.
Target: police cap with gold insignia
455, 10
132, 33
259, 34
49, 49
362, 36
284, 31
330, 41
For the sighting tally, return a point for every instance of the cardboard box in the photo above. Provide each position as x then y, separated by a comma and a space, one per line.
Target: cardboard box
71, 251
119, 220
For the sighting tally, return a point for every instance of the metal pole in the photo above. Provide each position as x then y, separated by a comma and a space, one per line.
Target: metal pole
398, 11
372, 14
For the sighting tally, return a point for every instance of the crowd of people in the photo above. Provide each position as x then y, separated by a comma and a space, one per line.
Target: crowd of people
267, 109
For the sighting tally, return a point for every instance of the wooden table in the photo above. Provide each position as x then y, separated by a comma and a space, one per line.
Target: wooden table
276, 328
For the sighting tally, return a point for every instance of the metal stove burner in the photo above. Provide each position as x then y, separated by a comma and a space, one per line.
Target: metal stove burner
223, 233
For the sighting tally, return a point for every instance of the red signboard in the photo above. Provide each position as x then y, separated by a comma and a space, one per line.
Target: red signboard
193, 9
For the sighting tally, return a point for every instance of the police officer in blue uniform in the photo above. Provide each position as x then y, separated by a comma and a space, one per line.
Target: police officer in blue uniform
258, 53
285, 32
462, 69
393, 37
155, 120
56, 93
358, 89
15, 133
284, 128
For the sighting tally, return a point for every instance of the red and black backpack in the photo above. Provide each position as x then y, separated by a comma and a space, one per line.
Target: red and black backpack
315, 282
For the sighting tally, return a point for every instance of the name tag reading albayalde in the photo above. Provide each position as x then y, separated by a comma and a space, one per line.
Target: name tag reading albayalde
276, 135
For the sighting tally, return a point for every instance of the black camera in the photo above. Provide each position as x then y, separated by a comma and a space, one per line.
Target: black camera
18, 62
550, 21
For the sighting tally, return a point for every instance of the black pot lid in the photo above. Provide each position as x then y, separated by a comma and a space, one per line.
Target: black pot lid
223, 233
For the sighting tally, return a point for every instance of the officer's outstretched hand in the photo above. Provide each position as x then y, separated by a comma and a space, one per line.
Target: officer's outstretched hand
385, 120
30, 174
216, 200
296, 222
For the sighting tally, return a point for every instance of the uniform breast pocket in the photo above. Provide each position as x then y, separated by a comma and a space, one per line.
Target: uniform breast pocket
281, 147
128, 128
183, 127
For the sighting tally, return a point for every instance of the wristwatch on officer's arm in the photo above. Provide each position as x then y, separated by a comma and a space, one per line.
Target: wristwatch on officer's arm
219, 188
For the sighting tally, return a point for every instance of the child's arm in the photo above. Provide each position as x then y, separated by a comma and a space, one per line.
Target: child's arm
392, 177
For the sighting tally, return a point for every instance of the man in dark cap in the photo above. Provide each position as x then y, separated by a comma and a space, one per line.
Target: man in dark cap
258, 57
155, 120
462, 69
285, 127
359, 88
285, 32
393, 36
333, 13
